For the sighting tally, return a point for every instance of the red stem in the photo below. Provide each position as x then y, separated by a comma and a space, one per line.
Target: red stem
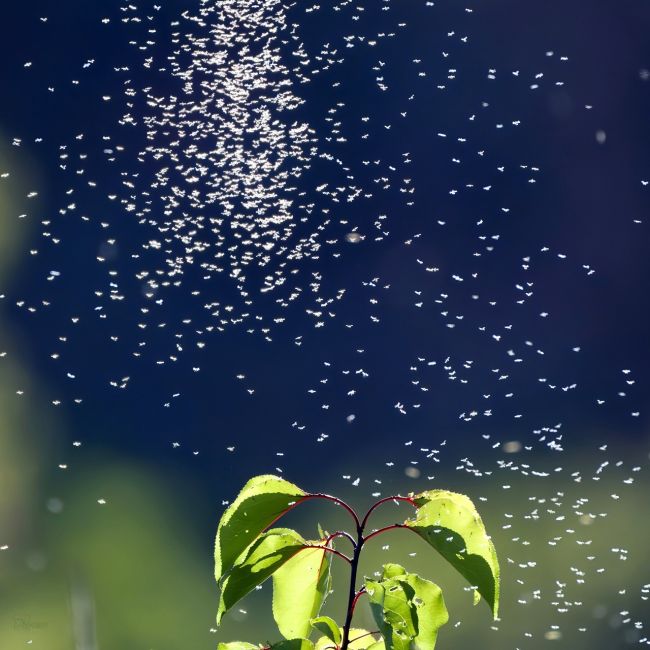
358, 544
385, 500
356, 598
329, 550
356, 638
329, 497
361, 540
345, 641
383, 530
339, 533
317, 496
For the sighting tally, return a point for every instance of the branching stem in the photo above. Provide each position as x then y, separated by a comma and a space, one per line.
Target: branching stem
357, 596
307, 497
357, 544
354, 562
385, 500
384, 529
330, 550
329, 497
340, 533
353, 591
356, 638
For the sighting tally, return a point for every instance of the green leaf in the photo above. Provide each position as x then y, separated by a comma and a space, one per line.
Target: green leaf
261, 502
263, 558
293, 644
328, 627
324, 643
393, 612
450, 523
393, 570
408, 610
430, 608
359, 640
237, 645
299, 590
377, 645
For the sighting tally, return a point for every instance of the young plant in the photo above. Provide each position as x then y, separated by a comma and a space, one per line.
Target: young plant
408, 610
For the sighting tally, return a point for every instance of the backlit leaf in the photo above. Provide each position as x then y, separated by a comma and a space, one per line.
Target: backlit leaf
392, 571
450, 523
293, 644
327, 626
408, 610
430, 609
395, 615
359, 640
261, 502
299, 590
267, 554
237, 645
377, 645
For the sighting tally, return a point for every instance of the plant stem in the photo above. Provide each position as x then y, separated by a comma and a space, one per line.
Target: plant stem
307, 497
340, 533
329, 497
356, 638
385, 500
353, 587
328, 549
354, 562
383, 530
357, 596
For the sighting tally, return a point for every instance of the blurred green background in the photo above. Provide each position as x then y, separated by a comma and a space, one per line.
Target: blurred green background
136, 571
108, 545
